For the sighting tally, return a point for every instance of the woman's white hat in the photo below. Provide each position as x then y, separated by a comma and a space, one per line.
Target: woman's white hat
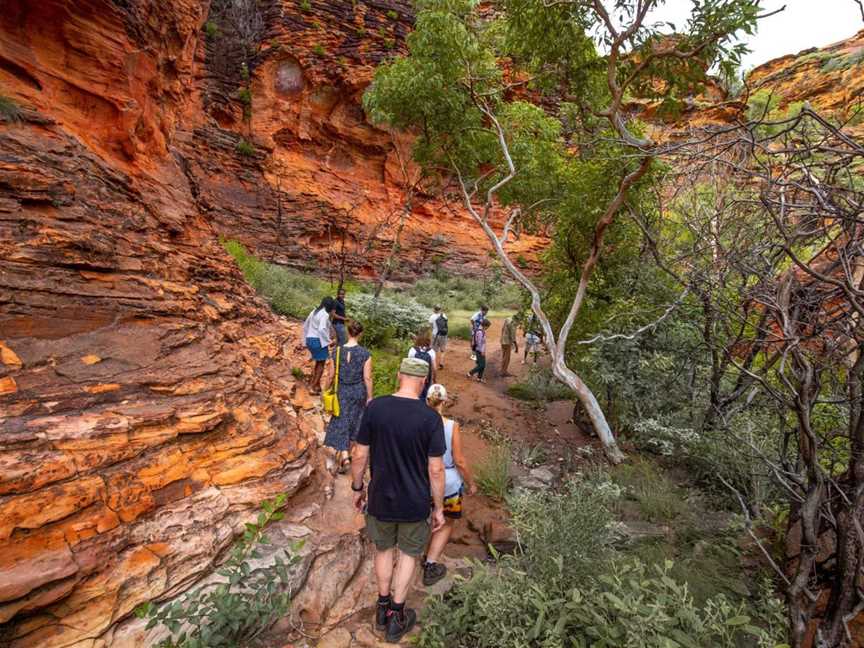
437, 392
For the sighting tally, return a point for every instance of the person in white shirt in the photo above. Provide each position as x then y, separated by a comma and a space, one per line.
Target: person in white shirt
316, 332
438, 324
478, 317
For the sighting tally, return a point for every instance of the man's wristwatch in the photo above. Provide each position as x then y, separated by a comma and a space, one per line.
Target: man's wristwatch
358, 490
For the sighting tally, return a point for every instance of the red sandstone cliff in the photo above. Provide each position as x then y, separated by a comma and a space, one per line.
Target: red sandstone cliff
146, 398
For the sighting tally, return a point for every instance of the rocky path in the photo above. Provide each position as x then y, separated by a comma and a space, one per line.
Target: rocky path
345, 587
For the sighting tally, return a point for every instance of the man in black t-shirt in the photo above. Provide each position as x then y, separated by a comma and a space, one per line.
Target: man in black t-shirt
404, 438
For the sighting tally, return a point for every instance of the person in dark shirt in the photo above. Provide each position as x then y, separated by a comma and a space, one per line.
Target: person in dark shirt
339, 318
403, 439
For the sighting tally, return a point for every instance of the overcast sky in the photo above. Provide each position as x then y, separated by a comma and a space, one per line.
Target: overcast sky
804, 24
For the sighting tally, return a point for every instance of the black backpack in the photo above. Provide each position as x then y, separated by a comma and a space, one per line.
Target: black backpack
441, 325
425, 355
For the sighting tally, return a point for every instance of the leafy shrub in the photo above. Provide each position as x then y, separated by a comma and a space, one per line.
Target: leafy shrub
211, 30
305, 6
9, 110
845, 61
574, 525
319, 50
385, 371
567, 587
493, 474
710, 455
243, 604
386, 318
464, 293
392, 15
245, 148
245, 96
297, 372
540, 385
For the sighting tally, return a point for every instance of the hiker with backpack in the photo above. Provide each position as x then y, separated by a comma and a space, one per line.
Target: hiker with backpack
533, 340
478, 344
423, 350
457, 476
438, 323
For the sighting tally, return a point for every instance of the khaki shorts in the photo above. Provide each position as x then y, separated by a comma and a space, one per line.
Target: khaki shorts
410, 537
439, 343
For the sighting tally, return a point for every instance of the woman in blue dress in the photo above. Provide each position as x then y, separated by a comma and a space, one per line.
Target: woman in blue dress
354, 391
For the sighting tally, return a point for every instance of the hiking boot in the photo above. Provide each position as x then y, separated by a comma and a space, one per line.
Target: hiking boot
381, 615
433, 572
399, 624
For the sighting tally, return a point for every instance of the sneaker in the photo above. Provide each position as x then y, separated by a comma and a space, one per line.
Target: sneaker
382, 613
398, 625
433, 572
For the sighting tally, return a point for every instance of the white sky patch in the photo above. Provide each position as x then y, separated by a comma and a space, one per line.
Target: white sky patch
804, 24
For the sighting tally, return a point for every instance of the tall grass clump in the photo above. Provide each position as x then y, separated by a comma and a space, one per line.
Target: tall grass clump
493, 474
9, 110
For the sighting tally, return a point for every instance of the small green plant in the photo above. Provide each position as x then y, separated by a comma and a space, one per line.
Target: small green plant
389, 43
319, 50
305, 6
297, 372
245, 96
521, 261
392, 14
493, 474
211, 30
244, 74
240, 606
245, 148
9, 110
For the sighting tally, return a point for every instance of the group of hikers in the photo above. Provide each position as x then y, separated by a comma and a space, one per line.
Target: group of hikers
412, 449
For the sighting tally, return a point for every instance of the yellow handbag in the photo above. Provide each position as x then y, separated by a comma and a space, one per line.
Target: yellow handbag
330, 397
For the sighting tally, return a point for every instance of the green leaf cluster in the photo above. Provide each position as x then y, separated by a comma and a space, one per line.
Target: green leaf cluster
244, 602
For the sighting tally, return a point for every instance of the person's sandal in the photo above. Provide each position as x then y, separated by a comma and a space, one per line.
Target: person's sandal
345, 466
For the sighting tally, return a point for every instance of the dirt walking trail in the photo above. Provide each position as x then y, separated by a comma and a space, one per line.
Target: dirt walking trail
479, 408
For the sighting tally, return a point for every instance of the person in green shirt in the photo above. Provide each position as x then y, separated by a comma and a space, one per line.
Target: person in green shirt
508, 340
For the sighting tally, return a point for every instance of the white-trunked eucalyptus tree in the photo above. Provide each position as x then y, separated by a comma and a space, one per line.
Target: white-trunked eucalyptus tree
514, 101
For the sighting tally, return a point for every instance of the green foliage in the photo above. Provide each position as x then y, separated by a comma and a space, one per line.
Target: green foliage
297, 372
211, 29
459, 330
712, 456
245, 148
540, 385
464, 293
245, 96
567, 587
243, 603
659, 500
385, 371
289, 292
386, 318
493, 473
845, 61
305, 6
9, 110
389, 43
392, 14
319, 50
